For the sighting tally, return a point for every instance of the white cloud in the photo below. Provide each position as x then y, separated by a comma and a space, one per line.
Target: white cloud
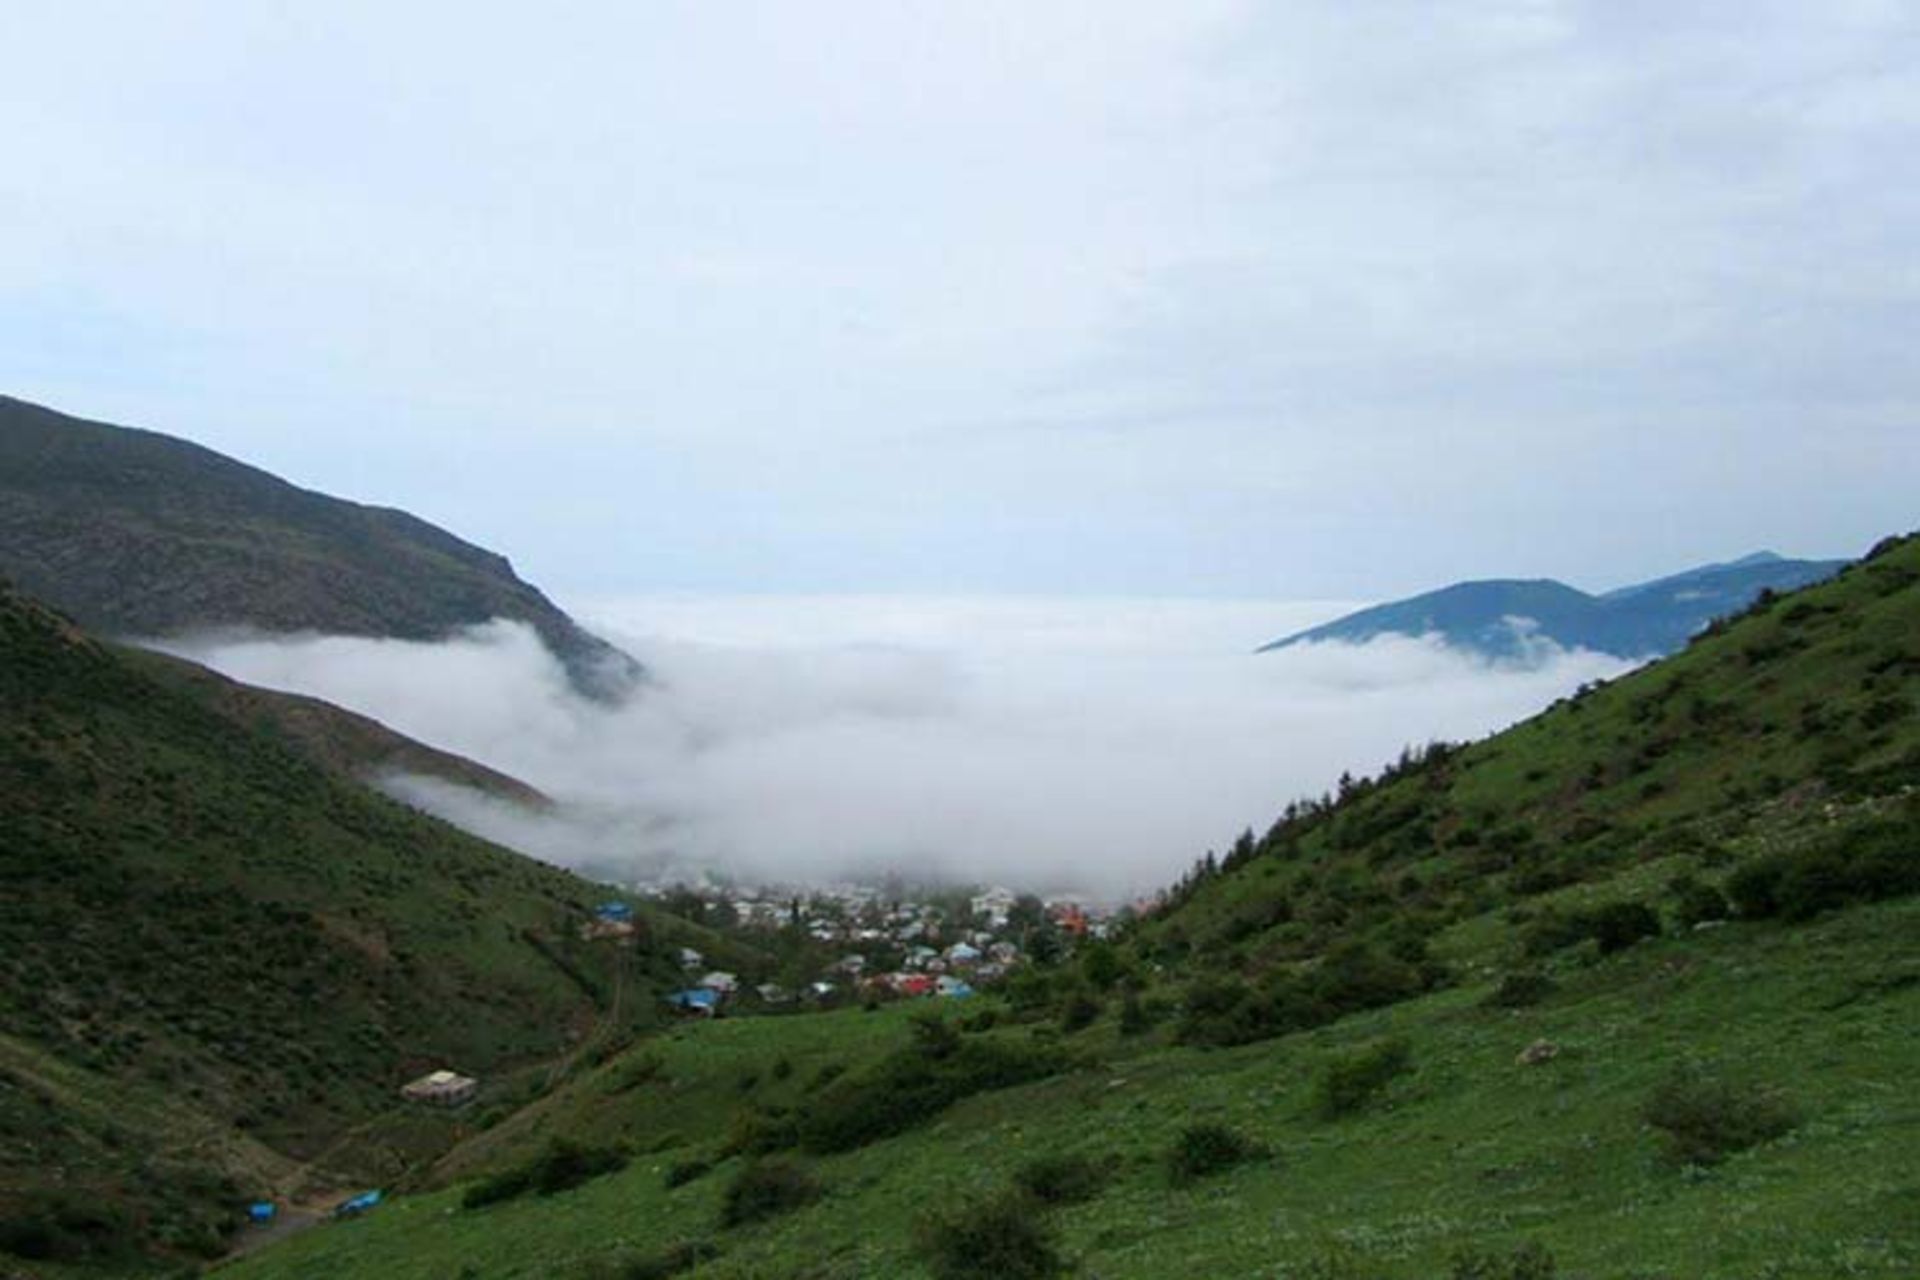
877, 295
1103, 744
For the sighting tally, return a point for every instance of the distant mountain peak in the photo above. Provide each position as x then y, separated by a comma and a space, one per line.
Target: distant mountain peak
1642, 620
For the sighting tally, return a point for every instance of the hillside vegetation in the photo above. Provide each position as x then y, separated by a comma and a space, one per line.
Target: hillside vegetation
205, 932
136, 533
1629, 991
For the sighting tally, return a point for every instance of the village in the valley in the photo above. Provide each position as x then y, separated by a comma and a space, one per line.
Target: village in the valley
849, 942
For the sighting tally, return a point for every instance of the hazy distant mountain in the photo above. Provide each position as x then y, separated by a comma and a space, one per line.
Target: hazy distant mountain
1506, 618
136, 533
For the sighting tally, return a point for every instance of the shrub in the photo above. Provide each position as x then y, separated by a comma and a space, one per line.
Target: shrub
1703, 1119
1553, 931
1522, 990
662, 1264
681, 1172
758, 1130
1619, 925
1065, 1179
1353, 1079
1529, 1262
562, 1166
1202, 1150
1002, 1238
1696, 903
911, 1086
62, 1227
1134, 1019
1080, 1011
766, 1189
1869, 863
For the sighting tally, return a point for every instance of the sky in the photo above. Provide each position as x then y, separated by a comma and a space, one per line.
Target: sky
1088, 745
1314, 300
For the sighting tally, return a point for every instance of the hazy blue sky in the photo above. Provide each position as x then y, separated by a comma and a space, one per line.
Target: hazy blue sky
1287, 299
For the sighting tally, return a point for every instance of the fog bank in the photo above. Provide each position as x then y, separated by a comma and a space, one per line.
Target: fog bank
1091, 744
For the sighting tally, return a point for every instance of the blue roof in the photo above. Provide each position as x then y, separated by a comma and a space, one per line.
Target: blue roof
261, 1211
614, 911
695, 998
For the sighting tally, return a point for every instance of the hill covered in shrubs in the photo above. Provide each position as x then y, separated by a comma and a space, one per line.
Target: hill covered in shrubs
219, 955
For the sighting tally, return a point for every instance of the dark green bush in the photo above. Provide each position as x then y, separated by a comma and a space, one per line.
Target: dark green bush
1002, 1238
913, 1085
1619, 925
63, 1227
1352, 1080
1529, 1262
1202, 1150
1081, 1010
1064, 1179
766, 1189
681, 1172
1696, 903
562, 1166
1704, 1118
1869, 863
663, 1264
1353, 977
1614, 927
1522, 990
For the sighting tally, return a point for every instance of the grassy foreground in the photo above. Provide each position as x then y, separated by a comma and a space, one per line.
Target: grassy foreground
1468, 1150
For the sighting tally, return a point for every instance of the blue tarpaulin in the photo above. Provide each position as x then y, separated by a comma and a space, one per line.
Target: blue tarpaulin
614, 911
261, 1211
359, 1204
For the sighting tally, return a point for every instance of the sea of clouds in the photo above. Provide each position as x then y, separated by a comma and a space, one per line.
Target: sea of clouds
1091, 745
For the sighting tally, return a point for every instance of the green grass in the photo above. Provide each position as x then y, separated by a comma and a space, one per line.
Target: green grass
1469, 1150
190, 909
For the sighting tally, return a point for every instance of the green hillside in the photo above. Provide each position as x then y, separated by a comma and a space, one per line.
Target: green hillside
355, 746
203, 928
1629, 991
137, 533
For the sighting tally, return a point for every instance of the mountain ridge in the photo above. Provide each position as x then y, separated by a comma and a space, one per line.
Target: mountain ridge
1508, 619
136, 533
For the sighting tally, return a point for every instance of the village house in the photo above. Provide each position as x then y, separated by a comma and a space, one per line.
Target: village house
441, 1089
720, 981
961, 955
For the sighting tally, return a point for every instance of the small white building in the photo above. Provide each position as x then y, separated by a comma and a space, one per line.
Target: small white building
720, 980
441, 1089
691, 959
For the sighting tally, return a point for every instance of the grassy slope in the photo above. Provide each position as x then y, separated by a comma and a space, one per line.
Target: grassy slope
1470, 1150
189, 908
1783, 729
1750, 734
353, 745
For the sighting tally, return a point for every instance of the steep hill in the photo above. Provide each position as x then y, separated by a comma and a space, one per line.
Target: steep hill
203, 932
136, 533
1507, 619
1631, 990
357, 747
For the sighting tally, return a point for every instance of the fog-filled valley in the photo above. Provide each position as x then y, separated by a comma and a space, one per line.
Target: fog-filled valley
1093, 745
